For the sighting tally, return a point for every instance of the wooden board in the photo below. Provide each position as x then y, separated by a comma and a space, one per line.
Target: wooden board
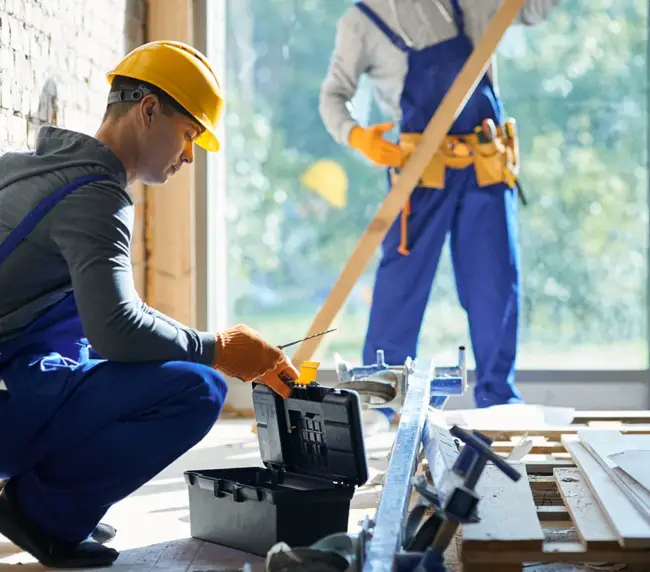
634, 416
601, 444
551, 513
170, 232
451, 105
542, 482
537, 448
635, 464
545, 466
504, 525
589, 519
555, 433
554, 552
631, 528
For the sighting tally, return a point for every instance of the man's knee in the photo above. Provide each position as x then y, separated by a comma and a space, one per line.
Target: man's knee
202, 388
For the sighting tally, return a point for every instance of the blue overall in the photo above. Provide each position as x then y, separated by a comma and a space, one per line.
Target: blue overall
79, 433
482, 223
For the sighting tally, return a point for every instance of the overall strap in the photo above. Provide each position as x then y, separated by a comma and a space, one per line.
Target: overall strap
39, 212
396, 39
459, 18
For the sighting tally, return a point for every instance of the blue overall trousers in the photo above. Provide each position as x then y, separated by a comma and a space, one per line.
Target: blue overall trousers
481, 221
79, 433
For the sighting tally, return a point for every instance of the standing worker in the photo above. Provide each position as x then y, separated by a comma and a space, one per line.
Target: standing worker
99, 391
412, 51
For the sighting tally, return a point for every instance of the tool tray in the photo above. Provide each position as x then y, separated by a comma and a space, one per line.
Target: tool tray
314, 455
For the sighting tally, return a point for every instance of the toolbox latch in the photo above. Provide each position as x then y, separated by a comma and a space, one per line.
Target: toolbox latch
276, 474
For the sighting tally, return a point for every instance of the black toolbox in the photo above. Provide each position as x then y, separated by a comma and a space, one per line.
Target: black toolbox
313, 450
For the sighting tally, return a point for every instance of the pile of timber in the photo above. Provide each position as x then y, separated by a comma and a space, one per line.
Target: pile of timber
584, 497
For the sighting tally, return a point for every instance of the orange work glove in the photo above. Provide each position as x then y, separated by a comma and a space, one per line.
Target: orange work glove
371, 143
243, 354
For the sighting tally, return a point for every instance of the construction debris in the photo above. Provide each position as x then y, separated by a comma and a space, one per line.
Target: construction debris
586, 499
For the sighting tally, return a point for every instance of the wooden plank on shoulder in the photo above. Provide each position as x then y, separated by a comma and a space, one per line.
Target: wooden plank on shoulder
630, 527
504, 525
588, 517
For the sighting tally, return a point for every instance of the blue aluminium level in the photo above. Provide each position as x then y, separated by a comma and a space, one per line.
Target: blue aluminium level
386, 538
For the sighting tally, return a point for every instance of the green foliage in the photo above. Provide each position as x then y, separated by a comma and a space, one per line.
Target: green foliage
576, 84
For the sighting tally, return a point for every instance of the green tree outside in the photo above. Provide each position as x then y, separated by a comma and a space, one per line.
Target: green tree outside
577, 85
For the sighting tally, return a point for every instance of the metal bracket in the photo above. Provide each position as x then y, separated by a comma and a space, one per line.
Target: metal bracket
387, 533
383, 385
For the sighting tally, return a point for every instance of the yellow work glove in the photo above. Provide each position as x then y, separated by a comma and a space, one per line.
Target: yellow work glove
242, 353
371, 143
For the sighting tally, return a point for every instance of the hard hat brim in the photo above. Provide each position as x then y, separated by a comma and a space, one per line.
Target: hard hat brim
208, 141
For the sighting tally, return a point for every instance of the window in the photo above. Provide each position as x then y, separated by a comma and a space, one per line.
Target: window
578, 85
298, 202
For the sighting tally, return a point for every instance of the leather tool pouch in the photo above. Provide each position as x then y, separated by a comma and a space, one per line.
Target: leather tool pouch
433, 176
490, 162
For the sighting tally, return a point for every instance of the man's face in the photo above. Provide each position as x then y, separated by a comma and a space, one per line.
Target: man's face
167, 142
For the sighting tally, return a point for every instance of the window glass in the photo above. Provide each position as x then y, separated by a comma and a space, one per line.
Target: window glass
299, 202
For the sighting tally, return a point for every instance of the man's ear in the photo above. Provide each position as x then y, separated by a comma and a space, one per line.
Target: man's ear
149, 107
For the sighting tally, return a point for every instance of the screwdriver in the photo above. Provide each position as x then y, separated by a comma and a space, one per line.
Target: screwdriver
304, 339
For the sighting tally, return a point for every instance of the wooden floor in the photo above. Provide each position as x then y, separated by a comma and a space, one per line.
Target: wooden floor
153, 523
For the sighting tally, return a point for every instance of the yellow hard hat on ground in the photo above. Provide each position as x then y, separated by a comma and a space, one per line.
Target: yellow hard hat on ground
185, 75
329, 179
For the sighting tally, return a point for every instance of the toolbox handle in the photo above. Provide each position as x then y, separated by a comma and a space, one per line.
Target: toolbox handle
216, 487
235, 493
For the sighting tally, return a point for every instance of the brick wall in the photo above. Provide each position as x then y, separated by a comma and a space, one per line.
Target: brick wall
53, 60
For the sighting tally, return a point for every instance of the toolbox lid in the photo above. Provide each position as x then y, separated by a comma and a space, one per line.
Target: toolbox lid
316, 432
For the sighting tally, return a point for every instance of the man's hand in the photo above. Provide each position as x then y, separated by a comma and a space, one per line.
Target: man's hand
370, 142
243, 354
278, 377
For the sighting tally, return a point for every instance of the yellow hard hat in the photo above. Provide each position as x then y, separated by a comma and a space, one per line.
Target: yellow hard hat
329, 180
184, 74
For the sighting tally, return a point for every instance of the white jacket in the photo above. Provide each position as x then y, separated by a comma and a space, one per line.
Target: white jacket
361, 47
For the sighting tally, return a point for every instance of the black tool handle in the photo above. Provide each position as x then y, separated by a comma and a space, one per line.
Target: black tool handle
486, 451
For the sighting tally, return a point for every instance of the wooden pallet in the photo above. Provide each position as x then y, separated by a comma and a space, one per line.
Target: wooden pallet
549, 515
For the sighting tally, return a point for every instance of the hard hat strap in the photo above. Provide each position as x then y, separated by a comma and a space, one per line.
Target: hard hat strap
128, 95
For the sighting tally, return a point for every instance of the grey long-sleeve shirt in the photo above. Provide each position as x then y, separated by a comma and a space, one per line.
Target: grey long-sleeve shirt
362, 48
83, 244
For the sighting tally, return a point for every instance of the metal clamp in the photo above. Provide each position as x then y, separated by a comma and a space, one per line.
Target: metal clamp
383, 385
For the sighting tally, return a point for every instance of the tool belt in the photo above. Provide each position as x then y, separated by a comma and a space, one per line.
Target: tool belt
495, 161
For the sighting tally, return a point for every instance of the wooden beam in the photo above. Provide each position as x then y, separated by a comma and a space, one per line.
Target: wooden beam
171, 264
433, 136
631, 529
585, 510
504, 525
